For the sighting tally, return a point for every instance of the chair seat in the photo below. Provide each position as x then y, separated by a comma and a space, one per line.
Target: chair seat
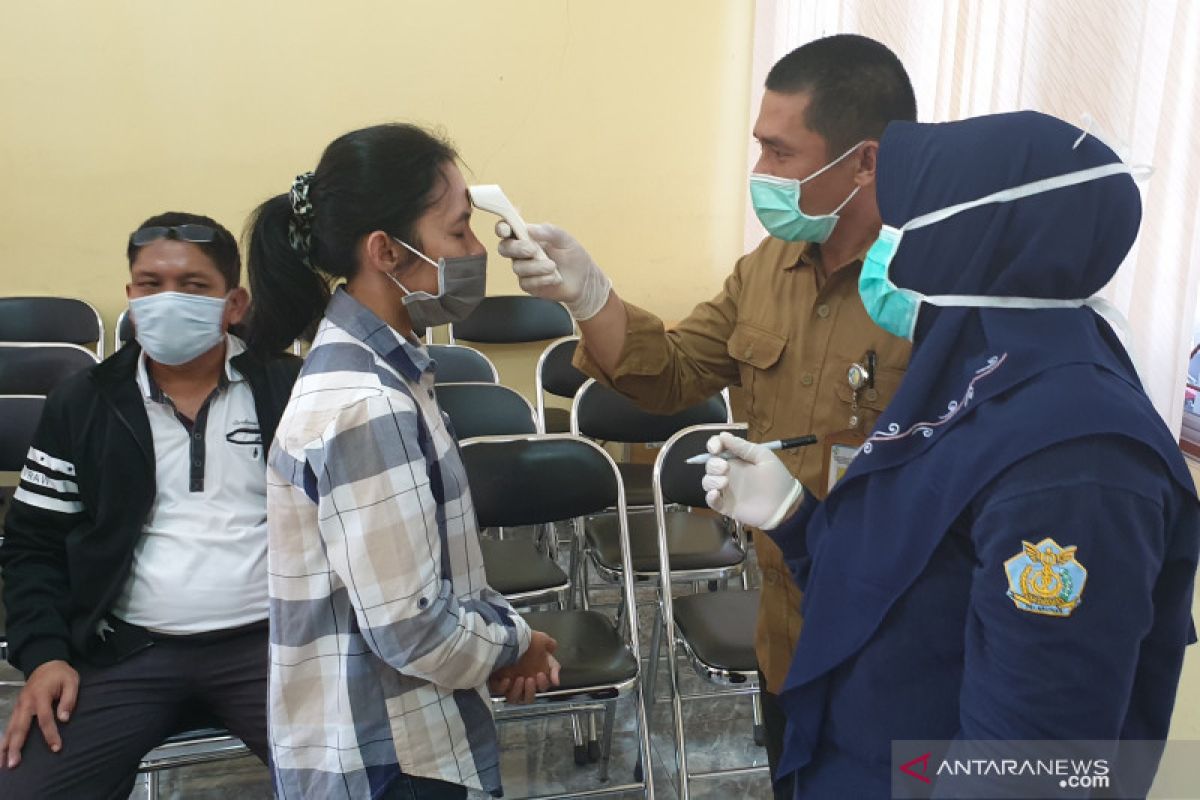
558, 420
590, 649
694, 541
638, 480
515, 566
719, 627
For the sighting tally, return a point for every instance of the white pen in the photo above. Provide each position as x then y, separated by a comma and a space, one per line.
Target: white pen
778, 444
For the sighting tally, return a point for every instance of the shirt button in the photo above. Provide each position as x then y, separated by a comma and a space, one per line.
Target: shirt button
872, 395
196, 463
197, 436
806, 379
430, 392
822, 311
423, 603
749, 352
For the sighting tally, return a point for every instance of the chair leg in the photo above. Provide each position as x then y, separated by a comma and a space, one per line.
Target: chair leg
580, 746
677, 708
652, 663
760, 732
152, 785
610, 711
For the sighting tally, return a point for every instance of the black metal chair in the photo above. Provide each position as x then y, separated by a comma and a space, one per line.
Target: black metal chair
713, 630
702, 547
516, 566
547, 478
36, 368
19, 416
485, 409
123, 330
199, 739
51, 319
512, 319
458, 363
557, 376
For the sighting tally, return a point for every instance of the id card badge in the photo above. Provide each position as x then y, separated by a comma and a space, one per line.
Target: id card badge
840, 450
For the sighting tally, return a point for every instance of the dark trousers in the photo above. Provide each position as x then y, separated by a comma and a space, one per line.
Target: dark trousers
126, 710
774, 724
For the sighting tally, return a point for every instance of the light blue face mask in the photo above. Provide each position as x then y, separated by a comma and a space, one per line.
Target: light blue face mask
895, 309
777, 203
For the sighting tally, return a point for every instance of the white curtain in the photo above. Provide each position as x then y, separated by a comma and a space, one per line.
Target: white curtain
1132, 65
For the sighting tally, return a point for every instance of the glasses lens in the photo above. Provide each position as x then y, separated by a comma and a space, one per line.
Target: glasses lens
145, 236
195, 233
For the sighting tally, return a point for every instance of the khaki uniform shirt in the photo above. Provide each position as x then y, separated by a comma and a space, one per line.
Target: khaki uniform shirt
787, 338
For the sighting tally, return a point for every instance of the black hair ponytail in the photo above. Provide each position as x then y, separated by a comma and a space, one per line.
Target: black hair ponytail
288, 296
378, 178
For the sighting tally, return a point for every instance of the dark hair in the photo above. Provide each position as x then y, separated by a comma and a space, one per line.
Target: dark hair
222, 250
856, 86
378, 178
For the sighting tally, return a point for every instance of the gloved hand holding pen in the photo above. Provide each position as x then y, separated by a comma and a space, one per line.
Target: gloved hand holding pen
749, 483
564, 273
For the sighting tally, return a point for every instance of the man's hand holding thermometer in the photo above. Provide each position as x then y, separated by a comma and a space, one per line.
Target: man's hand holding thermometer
748, 482
548, 262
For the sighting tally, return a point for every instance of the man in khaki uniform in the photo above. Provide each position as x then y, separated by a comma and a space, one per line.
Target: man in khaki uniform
788, 324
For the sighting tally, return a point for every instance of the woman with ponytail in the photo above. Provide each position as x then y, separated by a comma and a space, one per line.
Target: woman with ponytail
385, 638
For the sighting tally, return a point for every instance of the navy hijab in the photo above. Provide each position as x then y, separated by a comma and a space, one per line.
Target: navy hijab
985, 388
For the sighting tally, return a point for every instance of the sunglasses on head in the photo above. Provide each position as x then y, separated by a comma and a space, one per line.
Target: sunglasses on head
184, 233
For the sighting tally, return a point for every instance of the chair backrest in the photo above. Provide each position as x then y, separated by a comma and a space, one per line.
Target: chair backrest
538, 479
599, 412
51, 319
458, 363
36, 368
485, 409
123, 331
556, 374
19, 416
509, 319
677, 482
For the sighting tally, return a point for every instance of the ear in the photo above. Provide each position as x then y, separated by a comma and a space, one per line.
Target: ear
381, 253
864, 175
236, 305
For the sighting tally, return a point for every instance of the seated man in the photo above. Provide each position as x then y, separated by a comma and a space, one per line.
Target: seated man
135, 552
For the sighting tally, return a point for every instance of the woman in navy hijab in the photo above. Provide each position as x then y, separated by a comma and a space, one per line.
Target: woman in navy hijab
1011, 555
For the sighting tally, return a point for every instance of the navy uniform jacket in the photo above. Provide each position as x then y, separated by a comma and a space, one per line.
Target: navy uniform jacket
956, 656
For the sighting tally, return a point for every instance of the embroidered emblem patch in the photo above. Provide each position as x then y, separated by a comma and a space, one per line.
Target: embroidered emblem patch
1046, 579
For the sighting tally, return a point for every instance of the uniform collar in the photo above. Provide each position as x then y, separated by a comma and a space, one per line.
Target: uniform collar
405, 355
150, 391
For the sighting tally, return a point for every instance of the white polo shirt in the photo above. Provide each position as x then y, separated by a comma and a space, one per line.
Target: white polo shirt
201, 563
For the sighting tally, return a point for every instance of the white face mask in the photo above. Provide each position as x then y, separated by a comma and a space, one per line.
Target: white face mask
174, 327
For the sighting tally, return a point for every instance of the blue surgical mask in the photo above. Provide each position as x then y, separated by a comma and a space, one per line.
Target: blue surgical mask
174, 327
777, 203
895, 309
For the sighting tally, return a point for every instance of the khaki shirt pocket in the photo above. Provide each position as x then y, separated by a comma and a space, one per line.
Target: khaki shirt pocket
757, 351
872, 401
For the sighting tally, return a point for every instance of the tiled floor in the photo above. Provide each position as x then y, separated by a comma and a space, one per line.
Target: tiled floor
537, 755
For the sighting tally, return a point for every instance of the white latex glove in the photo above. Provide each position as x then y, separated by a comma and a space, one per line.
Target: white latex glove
748, 482
565, 273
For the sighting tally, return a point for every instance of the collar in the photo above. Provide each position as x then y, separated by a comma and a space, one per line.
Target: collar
150, 390
406, 355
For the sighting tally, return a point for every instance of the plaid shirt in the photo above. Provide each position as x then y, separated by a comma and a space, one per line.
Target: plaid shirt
383, 628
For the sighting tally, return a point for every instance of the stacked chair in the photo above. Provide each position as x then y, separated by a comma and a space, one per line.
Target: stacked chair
542, 479
557, 376
711, 630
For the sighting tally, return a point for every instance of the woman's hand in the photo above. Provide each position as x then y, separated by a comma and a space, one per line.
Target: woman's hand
748, 482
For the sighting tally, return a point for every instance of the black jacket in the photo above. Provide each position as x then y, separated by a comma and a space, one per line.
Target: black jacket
64, 568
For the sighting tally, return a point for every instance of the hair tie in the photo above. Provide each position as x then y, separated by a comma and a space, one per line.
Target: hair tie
300, 225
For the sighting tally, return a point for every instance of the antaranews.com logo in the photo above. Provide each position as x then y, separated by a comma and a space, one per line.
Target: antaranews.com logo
1045, 769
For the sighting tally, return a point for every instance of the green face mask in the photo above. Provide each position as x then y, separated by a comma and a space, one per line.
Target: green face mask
895, 309
777, 203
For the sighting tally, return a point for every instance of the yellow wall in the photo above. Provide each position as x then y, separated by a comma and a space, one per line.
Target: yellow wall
624, 121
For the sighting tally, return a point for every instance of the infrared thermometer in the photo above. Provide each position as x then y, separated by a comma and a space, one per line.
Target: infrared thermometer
491, 198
